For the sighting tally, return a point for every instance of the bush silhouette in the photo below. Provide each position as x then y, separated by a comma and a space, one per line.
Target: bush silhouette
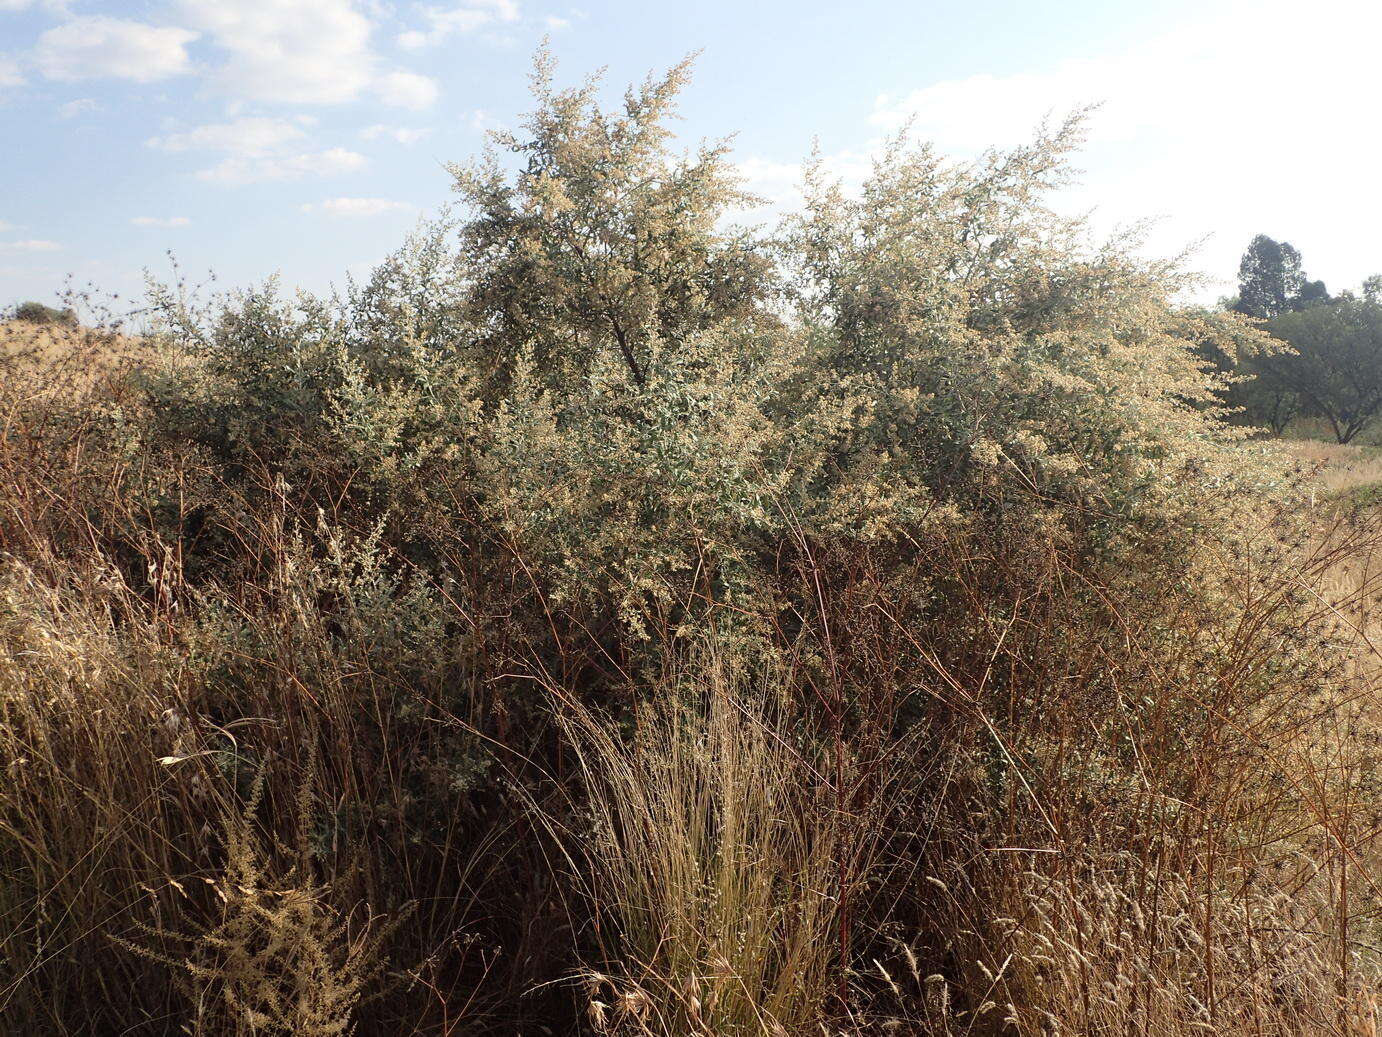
37, 313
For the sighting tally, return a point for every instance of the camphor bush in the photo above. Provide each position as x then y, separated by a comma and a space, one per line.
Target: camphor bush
603, 619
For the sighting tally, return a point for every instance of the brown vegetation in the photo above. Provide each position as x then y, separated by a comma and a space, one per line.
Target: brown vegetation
599, 622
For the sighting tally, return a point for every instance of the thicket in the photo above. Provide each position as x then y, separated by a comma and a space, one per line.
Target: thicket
1321, 360
1330, 367
602, 619
38, 313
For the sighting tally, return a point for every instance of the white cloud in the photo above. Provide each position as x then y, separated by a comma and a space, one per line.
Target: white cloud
482, 122
560, 23
5, 226
95, 47
402, 134
1243, 121
259, 149
778, 185
349, 208
160, 221
302, 52
251, 169
441, 23
81, 106
1246, 120
406, 90
247, 136
13, 5
291, 51
10, 75
33, 245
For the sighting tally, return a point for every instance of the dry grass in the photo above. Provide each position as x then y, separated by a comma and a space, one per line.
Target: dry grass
255, 812
1223, 883
212, 825
1334, 469
65, 360
263, 807
721, 879
48, 345
877, 633
1091, 953
1340, 494
714, 861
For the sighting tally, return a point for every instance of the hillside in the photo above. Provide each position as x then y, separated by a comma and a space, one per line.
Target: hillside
58, 346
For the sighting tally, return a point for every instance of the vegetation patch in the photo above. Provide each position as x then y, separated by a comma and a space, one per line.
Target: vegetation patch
607, 619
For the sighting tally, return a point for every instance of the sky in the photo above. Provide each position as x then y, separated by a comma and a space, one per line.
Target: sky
306, 138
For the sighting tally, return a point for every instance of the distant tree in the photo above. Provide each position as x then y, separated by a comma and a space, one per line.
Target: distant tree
1269, 277
1334, 365
1271, 282
1372, 288
37, 313
1255, 398
1267, 402
1311, 293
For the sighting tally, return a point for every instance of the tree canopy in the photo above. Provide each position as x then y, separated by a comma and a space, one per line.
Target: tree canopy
1271, 281
1334, 364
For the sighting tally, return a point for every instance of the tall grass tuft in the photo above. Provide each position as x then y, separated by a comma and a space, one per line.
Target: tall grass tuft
711, 855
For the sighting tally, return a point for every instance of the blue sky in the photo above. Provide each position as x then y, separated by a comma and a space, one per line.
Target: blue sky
305, 137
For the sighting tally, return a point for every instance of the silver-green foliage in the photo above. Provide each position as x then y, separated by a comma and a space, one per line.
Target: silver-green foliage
645, 401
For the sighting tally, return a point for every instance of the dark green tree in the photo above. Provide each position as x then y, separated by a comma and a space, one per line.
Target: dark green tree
1271, 281
37, 313
1311, 293
1334, 365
